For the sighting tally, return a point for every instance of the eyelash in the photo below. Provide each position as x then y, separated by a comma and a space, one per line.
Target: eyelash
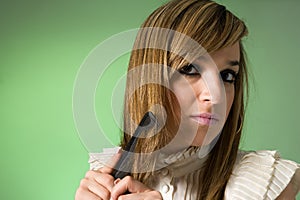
224, 74
186, 70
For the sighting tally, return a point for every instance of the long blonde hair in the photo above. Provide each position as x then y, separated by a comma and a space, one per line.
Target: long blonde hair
214, 27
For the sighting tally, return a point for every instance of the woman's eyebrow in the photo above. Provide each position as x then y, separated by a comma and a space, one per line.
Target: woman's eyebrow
233, 63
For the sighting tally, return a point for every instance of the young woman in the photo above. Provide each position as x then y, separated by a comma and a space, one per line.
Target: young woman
188, 67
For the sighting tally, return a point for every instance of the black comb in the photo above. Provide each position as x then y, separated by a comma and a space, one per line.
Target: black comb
125, 163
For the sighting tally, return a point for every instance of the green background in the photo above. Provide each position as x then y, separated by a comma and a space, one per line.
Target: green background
43, 44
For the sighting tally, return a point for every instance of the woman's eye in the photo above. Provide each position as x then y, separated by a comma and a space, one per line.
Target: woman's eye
228, 76
189, 70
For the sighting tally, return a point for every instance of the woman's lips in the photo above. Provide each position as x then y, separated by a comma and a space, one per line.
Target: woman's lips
205, 119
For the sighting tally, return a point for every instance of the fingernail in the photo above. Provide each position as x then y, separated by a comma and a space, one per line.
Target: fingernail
117, 181
119, 150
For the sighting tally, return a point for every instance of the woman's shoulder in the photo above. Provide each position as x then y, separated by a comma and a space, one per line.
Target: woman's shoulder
262, 175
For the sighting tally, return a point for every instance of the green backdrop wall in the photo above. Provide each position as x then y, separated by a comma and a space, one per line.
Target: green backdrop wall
43, 44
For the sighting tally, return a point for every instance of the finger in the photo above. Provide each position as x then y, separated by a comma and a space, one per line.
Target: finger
82, 194
99, 190
152, 195
102, 179
108, 168
93, 187
128, 184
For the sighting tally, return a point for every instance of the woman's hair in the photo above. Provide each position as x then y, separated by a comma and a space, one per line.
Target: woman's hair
214, 28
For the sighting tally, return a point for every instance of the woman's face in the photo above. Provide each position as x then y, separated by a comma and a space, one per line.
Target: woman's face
205, 91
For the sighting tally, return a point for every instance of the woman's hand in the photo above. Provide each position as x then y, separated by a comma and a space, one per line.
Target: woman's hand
96, 185
100, 185
136, 189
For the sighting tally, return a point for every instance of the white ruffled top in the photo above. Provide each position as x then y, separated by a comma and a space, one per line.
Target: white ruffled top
260, 175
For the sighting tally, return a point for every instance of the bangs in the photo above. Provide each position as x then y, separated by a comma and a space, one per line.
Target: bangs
210, 25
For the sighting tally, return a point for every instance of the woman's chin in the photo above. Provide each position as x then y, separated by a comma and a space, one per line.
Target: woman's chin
197, 142
204, 140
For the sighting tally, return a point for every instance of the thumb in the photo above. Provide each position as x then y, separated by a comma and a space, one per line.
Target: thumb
108, 167
128, 184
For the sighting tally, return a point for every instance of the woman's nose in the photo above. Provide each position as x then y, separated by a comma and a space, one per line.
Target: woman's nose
210, 88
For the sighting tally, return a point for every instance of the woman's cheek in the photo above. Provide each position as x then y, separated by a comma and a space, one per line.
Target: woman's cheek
183, 93
230, 91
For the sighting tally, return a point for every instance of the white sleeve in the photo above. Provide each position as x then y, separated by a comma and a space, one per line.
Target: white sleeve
261, 175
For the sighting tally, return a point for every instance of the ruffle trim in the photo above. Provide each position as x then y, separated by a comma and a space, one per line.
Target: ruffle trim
261, 175
177, 160
181, 155
183, 162
98, 160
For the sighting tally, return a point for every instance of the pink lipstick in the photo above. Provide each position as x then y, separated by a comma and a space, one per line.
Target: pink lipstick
206, 119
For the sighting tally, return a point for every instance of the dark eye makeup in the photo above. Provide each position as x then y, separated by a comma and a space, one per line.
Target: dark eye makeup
227, 75
189, 70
